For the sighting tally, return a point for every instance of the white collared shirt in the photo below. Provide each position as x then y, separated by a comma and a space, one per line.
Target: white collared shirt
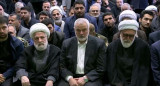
81, 57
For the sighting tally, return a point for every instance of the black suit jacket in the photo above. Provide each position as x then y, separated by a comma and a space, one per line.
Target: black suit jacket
94, 58
153, 37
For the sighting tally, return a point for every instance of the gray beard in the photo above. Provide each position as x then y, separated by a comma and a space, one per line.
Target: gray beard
126, 45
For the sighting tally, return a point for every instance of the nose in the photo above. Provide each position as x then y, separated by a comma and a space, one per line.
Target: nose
81, 32
10, 22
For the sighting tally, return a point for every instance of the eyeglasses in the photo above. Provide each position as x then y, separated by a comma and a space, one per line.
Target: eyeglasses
128, 35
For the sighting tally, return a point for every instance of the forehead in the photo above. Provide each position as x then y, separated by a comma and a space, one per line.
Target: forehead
11, 28
147, 16
42, 15
79, 5
81, 25
108, 16
119, 0
24, 10
37, 34
98, 0
128, 31
46, 3
94, 7
55, 11
12, 17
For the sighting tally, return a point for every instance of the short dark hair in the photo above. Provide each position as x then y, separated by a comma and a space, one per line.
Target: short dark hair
46, 13
107, 13
3, 20
79, 2
17, 16
146, 12
26, 8
48, 21
46, 1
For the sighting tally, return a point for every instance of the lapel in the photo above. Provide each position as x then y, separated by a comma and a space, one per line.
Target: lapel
88, 49
74, 49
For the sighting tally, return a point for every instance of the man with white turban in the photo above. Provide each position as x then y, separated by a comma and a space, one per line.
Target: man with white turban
128, 58
38, 65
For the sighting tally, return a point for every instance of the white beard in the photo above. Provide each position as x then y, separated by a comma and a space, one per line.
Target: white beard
58, 21
82, 39
126, 44
41, 47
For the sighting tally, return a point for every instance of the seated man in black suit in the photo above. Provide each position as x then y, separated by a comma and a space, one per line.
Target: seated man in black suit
82, 59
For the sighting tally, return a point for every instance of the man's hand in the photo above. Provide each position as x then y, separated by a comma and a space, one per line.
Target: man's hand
2, 78
49, 83
73, 82
81, 81
25, 81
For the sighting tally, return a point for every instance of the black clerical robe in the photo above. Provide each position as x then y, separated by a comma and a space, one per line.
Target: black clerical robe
128, 66
51, 68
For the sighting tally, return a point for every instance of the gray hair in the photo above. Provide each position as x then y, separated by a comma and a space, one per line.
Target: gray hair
19, 5
81, 21
95, 4
127, 5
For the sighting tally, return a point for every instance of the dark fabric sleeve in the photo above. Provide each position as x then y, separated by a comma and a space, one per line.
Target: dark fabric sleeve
18, 49
54, 64
155, 63
63, 64
98, 72
66, 29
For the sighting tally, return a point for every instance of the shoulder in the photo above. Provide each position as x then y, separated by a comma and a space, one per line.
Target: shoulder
69, 41
90, 18
23, 28
15, 41
156, 45
95, 40
156, 33
71, 18
54, 48
141, 44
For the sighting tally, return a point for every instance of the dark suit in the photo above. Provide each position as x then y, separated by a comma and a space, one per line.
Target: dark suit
155, 61
94, 62
153, 37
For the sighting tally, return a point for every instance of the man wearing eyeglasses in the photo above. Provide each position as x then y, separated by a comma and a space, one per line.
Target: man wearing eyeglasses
128, 58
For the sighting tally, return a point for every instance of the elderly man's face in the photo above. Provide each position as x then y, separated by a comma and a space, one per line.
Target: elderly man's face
56, 15
46, 6
94, 11
79, 10
11, 30
81, 31
40, 41
3, 32
127, 37
14, 21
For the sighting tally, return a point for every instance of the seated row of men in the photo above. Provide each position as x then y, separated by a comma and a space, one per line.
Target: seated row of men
82, 61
